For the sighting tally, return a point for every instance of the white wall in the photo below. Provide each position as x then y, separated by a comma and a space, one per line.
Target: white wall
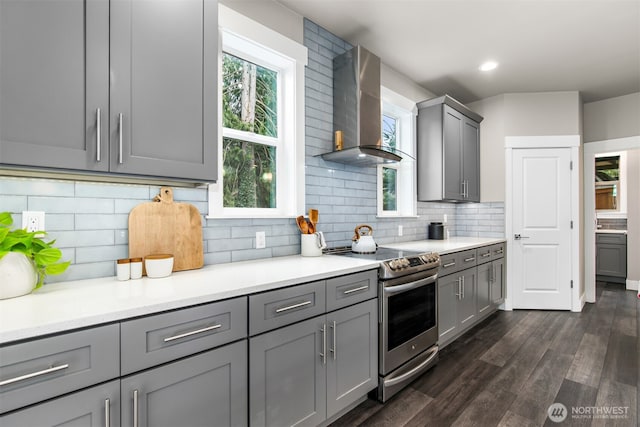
612, 118
399, 83
633, 215
520, 114
271, 14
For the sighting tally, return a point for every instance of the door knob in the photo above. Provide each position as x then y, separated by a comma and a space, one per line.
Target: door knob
518, 237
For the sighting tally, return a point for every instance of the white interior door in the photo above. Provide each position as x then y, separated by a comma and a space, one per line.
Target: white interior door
541, 252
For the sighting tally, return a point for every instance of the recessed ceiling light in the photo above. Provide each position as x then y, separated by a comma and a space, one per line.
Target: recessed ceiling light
488, 66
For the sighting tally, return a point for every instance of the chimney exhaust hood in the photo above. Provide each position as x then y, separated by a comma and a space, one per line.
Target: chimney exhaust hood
357, 110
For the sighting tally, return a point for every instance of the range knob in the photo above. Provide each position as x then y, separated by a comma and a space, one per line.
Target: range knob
393, 264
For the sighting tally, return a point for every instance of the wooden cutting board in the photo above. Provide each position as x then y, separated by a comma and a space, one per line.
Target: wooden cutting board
166, 227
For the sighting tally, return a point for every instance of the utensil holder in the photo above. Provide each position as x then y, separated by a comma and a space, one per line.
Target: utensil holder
310, 245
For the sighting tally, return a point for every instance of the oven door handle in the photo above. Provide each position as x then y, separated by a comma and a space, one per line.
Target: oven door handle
392, 381
409, 286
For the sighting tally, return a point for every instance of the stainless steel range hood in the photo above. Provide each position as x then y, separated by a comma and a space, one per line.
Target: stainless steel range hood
356, 110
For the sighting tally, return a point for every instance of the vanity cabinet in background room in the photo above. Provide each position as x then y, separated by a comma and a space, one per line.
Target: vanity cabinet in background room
117, 86
611, 257
448, 166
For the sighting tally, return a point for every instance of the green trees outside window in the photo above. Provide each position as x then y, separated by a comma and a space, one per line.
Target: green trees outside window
389, 175
250, 105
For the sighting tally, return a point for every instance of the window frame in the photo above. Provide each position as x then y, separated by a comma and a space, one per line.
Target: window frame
404, 111
253, 42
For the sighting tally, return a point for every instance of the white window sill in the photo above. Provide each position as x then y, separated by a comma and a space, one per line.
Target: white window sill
398, 216
250, 216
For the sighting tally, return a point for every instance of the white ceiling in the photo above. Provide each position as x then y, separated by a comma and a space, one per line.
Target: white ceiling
591, 46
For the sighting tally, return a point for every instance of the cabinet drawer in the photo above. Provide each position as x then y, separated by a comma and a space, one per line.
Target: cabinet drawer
353, 288
612, 239
497, 251
448, 264
153, 340
484, 254
467, 259
40, 369
278, 308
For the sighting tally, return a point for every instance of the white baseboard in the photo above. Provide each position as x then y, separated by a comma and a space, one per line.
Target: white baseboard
632, 285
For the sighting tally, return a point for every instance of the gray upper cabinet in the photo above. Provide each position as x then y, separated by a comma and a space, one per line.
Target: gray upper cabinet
120, 86
54, 84
448, 151
164, 61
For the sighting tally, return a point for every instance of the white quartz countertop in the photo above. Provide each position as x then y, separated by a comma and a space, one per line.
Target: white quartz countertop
64, 306
446, 246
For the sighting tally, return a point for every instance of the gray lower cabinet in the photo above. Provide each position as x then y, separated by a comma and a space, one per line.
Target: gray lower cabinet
206, 389
119, 86
611, 257
468, 293
304, 373
97, 406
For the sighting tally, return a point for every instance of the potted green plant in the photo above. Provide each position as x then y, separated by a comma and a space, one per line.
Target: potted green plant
25, 259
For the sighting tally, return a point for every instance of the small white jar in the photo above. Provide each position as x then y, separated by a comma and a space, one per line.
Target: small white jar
136, 268
123, 269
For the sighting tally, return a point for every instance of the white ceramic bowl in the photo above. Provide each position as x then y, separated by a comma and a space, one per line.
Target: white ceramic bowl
158, 265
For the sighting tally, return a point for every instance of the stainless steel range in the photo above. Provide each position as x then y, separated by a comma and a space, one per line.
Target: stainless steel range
408, 316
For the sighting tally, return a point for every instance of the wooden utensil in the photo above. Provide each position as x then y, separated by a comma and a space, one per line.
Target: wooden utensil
302, 225
165, 227
313, 217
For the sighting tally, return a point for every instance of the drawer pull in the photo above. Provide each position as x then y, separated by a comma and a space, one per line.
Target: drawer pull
291, 307
34, 374
499, 251
361, 288
451, 264
135, 408
470, 259
486, 255
188, 334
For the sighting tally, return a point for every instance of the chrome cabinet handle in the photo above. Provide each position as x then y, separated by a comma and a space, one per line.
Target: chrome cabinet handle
470, 259
501, 251
459, 294
188, 334
135, 408
335, 332
107, 413
485, 255
451, 264
98, 131
324, 344
466, 194
291, 307
462, 184
34, 374
462, 287
120, 138
361, 288
491, 274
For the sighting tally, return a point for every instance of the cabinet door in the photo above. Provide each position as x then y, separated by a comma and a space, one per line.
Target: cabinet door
54, 79
452, 162
485, 272
352, 368
611, 260
164, 58
448, 297
471, 159
498, 281
207, 389
94, 407
467, 309
287, 372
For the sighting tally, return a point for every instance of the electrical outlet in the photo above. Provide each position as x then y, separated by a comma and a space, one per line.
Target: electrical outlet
261, 240
444, 218
33, 220
399, 230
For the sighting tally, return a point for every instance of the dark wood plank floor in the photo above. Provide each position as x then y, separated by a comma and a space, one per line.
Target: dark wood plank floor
509, 369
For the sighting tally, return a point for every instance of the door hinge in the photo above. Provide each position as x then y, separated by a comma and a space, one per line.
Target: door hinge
571, 165
572, 284
572, 225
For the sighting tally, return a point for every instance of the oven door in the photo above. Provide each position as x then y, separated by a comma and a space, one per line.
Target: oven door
409, 320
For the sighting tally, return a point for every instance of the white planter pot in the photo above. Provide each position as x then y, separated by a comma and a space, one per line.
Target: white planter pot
17, 275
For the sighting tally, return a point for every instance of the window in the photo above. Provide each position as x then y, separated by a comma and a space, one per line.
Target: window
261, 151
610, 184
396, 181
